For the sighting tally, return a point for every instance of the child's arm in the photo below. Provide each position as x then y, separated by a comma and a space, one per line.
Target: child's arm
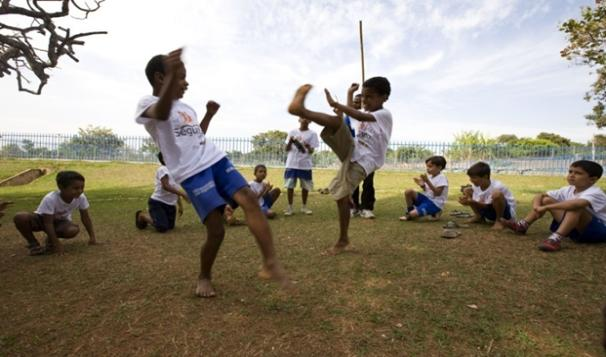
569, 205
350, 92
167, 187
436, 190
356, 114
211, 109
179, 206
289, 144
310, 149
88, 224
160, 110
49, 229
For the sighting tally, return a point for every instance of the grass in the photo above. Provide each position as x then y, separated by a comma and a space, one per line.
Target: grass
405, 292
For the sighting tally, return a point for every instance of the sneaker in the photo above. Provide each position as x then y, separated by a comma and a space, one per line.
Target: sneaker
516, 226
288, 212
306, 210
550, 245
353, 212
366, 213
140, 224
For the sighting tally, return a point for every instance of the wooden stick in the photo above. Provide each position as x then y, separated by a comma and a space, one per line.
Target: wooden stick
362, 50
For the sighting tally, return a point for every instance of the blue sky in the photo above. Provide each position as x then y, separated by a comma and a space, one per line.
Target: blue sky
491, 66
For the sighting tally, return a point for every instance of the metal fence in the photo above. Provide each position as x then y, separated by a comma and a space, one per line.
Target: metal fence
404, 156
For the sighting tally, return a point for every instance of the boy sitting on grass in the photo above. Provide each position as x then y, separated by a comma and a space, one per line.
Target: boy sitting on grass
578, 210
266, 193
431, 201
54, 216
489, 199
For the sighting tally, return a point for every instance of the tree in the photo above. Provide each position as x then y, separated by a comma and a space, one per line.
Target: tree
555, 138
587, 45
32, 40
269, 141
94, 143
506, 139
599, 140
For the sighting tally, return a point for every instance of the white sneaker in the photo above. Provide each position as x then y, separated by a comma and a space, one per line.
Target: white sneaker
353, 212
365, 213
306, 210
288, 212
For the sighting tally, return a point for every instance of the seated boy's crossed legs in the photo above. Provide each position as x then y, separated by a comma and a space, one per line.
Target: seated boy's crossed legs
420, 206
209, 191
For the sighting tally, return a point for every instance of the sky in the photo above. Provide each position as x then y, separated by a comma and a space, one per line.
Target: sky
460, 65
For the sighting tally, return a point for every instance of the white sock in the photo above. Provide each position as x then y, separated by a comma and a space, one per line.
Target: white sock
290, 207
555, 236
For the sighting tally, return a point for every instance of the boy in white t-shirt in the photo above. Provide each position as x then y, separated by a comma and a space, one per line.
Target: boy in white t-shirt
431, 201
360, 156
300, 144
264, 191
202, 169
578, 210
164, 203
54, 216
489, 199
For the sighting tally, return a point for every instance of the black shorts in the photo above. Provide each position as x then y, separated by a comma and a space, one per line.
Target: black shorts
162, 214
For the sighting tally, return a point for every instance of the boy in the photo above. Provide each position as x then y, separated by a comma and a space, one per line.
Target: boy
54, 216
264, 191
360, 156
362, 209
204, 171
300, 144
578, 210
489, 199
435, 191
164, 203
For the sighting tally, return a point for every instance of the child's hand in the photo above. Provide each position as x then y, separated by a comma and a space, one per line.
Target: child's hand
329, 99
173, 61
92, 241
212, 107
418, 181
180, 211
424, 177
185, 198
464, 200
353, 88
540, 209
338, 112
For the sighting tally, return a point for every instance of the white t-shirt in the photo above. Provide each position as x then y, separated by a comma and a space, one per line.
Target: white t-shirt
486, 195
53, 204
184, 146
160, 194
372, 138
594, 195
297, 159
257, 188
437, 181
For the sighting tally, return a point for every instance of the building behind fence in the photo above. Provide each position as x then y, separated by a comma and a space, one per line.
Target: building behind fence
404, 156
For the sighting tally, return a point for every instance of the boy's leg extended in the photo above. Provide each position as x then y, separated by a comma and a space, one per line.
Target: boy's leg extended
259, 227
297, 107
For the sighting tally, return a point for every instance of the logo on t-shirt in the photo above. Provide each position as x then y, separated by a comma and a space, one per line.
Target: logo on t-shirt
186, 128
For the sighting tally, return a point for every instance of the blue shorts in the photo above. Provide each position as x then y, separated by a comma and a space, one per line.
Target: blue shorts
425, 206
267, 203
304, 176
490, 214
214, 187
162, 214
595, 232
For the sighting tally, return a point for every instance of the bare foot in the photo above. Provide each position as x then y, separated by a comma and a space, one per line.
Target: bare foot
497, 226
337, 249
205, 289
475, 219
276, 273
297, 106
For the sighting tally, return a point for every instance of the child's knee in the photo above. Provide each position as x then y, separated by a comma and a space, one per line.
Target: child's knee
409, 192
71, 231
21, 218
497, 196
546, 200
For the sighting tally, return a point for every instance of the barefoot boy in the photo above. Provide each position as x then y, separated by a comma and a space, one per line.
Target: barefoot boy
435, 191
489, 199
360, 156
204, 171
300, 144
264, 191
578, 210
54, 216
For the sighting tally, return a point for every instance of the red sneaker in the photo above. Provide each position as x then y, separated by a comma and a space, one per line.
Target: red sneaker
516, 226
550, 245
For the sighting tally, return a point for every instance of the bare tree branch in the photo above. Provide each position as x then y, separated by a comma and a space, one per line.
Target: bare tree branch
20, 46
